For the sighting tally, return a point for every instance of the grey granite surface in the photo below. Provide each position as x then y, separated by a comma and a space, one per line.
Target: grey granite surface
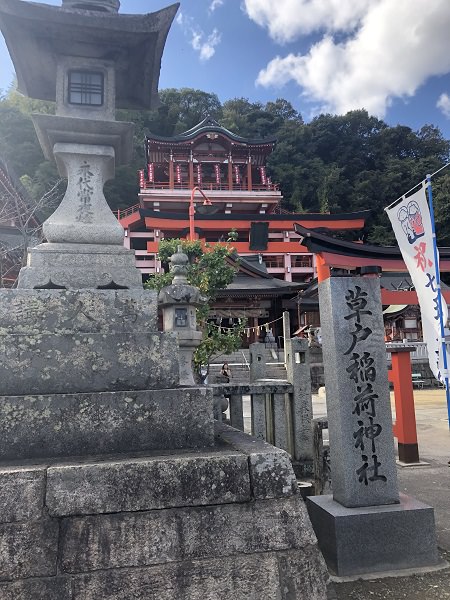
365, 540
358, 400
62, 425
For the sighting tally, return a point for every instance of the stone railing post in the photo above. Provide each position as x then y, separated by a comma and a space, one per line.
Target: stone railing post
286, 334
299, 375
257, 362
236, 411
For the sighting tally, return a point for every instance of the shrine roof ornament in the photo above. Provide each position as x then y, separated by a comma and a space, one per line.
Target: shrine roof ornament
36, 34
210, 125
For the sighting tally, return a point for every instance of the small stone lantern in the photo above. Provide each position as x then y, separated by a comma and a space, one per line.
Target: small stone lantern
178, 302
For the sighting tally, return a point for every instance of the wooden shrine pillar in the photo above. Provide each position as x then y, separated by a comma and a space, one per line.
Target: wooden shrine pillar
230, 174
323, 270
191, 173
171, 173
249, 174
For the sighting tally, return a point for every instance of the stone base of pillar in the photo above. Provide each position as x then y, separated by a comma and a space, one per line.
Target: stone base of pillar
80, 266
374, 539
226, 522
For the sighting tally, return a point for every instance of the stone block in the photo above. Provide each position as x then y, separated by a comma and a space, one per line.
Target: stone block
77, 311
148, 483
165, 536
105, 423
63, 266
271, 472
54, 588
364, 540
93, 362
232, 578
21, 493
303, 574
28, 549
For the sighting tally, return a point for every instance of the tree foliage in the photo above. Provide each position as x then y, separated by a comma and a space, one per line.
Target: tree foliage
335, 163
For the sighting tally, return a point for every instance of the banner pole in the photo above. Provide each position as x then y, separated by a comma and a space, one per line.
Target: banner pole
439, 296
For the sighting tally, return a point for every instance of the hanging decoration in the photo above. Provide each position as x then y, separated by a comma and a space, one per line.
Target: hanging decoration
151, 172
199, 174
217, 173
262, 172
237, 174
178, 172
141, 178
248, 330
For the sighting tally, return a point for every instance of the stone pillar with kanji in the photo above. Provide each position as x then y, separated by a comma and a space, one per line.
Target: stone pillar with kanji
362, 526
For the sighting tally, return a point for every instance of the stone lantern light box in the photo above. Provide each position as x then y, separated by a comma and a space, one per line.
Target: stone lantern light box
85, 88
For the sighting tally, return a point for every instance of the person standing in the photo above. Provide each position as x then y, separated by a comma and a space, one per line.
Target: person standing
226, 372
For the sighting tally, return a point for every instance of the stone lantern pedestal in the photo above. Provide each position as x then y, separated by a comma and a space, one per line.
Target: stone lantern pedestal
179, 302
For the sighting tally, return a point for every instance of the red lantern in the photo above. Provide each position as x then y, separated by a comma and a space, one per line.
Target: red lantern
151, 172
262, 171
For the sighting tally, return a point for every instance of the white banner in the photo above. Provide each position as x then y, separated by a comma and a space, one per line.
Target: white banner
411, 223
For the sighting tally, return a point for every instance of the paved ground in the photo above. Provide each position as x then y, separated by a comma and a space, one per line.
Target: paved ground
431, 484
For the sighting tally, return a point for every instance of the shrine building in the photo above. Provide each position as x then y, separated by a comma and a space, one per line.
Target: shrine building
231, 172
207, 182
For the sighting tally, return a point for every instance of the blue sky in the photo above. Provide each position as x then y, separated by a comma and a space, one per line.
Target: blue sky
391, 57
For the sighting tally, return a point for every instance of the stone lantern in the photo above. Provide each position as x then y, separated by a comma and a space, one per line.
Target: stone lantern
90, 60
178, 302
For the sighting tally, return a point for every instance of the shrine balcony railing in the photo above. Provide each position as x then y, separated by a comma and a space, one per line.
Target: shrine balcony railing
126, 212
210, 186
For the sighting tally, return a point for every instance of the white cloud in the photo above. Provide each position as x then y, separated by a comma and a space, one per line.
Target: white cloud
206, 47
443, 104
287, 19
204, 44
215, 4
394, 49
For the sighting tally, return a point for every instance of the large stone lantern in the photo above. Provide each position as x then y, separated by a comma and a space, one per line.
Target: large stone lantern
178, 302
89, 60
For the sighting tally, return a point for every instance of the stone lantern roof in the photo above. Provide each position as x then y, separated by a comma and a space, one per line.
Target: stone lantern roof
111, 6
37, 34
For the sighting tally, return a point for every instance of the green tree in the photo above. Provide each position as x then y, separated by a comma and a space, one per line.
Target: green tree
336, 163
284, 110
186, 107
210, 269
441, 204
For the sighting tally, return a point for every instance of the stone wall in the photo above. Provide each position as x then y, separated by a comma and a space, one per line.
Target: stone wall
219, 524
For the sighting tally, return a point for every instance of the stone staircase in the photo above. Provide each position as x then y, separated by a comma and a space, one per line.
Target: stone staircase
239, 363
